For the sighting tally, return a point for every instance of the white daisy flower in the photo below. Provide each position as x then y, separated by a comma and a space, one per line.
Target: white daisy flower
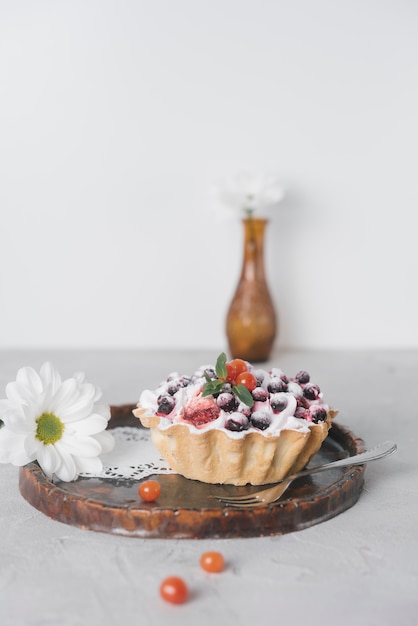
250, 192
57, 423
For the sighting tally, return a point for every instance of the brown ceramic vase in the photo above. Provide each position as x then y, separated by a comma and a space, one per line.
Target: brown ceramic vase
251, 323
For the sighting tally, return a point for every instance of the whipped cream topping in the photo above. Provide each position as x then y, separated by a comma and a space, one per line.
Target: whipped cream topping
279, 403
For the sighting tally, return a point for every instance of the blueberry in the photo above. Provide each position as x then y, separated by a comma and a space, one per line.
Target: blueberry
260, 419
276, 385
165, 404
302, 377
244, 409
295, 389
237, 422
278, 402
259, 376
303, 402
318, 414
210, 372
226, 401
227, 388
259, 394
172, 387
311, 391
185, 381
303, 414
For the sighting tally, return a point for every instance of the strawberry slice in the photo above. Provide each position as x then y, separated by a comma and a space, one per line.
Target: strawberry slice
200, 411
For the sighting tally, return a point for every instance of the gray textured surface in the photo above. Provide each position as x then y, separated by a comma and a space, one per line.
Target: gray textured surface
359, 568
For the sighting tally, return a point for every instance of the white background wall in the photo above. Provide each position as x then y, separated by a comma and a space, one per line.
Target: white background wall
117, 118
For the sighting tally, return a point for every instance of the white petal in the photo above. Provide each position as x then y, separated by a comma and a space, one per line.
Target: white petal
18, 423
32, 445
80, 377
65, 396
90, 425
19, 394
50, 377
48, 458
67, 469
80, 446
106, 441
92, 465
76, 406
28, 378
103, 410
12, 448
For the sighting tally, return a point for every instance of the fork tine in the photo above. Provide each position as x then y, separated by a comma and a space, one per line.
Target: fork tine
250, 497
245, 505
259, 498
232, 501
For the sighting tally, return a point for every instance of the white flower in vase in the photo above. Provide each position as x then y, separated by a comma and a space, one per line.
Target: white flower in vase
57, 423
250, 193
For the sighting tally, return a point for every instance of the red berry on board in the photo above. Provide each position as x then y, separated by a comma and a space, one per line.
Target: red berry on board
247, 379
149, 490
173, 589
212, 562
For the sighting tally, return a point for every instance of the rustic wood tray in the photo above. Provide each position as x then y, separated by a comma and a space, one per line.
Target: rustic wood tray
186, 508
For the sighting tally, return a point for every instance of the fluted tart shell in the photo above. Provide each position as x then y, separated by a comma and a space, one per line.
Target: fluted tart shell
212, 456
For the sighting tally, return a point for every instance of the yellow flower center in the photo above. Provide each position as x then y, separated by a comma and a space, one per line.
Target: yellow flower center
49, 428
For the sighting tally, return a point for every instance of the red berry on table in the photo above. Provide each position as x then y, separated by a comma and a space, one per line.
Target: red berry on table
149, 490
173, 589
247, 379
212, 562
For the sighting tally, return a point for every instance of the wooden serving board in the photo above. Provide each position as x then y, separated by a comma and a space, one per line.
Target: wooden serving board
186, 508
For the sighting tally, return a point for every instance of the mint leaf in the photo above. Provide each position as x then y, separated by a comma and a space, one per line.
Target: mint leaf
211, 387
220, 367
243, 395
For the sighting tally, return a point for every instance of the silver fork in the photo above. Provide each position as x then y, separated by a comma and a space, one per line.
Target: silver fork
271, 494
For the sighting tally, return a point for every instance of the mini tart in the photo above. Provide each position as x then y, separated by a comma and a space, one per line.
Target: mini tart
213, 456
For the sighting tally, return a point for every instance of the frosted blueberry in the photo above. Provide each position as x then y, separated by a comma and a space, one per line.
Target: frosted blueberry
226, 401
278, 402
303, 414
311, 391
172, 387
237, 422
259, 394
165, 404
318, 413
259, 376
260, 419
302, 377
276, 385
244, 409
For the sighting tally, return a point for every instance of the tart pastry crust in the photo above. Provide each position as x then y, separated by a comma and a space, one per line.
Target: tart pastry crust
213, 456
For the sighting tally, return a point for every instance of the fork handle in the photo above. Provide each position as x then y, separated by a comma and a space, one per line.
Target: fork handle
378, 452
